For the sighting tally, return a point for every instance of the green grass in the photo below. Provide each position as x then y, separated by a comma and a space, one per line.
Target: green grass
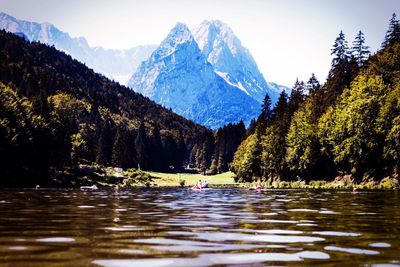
172, 179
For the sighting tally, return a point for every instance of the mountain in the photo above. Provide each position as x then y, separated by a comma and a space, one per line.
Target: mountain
116, 64
177, 75
232, 61
55, 113
220, 48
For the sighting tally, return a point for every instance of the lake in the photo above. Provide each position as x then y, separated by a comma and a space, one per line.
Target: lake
181, 227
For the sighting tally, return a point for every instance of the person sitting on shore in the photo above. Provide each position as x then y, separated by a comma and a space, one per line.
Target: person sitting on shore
205, 184
198, 185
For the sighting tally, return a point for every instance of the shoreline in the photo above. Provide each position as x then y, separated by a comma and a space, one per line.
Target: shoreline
112, 177
217, 187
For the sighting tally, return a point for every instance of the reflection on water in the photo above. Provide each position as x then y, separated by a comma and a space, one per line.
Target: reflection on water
180, 227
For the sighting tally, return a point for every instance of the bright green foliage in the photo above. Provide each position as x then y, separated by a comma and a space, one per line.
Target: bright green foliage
246, 164
348, 127
273, 164
137, 177
351, 130
389, 125
303, 152
65, 106
273, 153
389, 183
392, 145
262, 155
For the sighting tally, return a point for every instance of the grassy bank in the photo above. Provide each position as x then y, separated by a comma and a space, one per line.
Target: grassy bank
110, 177
87, 175
341, 183
175, 179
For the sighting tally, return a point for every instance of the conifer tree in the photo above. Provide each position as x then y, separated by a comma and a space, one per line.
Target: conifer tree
116, 158
181, 151
266, 114
312, 84
280, 107
393, 33
266, 110
252, 127
359, 50
340, 50
295, 100
342, 72
120, 156
297, 94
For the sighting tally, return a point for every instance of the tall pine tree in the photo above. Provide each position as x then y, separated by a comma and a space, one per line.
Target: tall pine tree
393, 33
342, 72
312, 84
119, 152
280, 107
340, 50
266, 114
359, 50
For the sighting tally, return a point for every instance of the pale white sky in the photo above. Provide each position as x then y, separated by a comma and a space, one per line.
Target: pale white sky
287, 38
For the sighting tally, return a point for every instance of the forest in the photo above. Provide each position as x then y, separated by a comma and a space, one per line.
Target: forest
56, 114
350, 125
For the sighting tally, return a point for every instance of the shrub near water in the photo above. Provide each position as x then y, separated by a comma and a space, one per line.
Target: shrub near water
318, 184
137, 177
389, 183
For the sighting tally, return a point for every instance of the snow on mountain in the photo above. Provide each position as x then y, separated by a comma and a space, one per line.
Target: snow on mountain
232, 61
115, 64
208, 77
178, 75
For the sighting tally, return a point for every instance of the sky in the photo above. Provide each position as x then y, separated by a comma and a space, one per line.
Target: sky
289, 39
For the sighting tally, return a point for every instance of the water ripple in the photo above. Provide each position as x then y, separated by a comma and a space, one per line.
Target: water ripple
352, 250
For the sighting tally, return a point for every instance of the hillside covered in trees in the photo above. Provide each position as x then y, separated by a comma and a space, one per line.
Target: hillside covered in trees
56, 113
350, 125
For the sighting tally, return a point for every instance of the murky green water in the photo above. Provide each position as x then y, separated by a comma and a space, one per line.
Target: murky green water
180, 227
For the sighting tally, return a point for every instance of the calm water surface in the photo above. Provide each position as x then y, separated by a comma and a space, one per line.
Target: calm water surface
180, 227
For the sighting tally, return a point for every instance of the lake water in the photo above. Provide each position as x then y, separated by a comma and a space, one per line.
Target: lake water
181, 227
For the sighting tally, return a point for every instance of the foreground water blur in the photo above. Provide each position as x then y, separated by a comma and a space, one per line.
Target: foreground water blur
181, 227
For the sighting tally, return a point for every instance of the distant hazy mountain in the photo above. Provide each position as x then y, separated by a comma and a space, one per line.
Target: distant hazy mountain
178, 75
116, 64
232, 61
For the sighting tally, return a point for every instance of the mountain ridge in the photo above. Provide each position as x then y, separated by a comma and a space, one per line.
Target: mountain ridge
232, 61
236, 68
177, 75
117, 64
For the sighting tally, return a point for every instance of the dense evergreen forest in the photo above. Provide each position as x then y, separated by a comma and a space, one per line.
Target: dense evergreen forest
55, 113
350, 125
